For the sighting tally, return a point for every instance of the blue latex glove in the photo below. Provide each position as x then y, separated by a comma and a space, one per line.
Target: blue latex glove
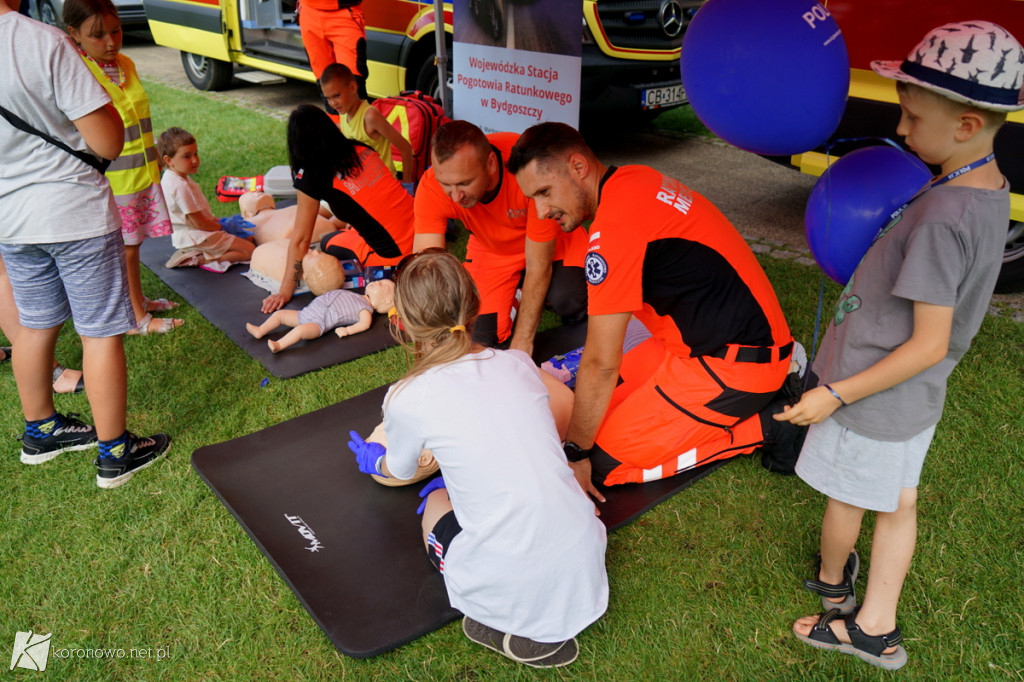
237, 225
435, 484
368, 455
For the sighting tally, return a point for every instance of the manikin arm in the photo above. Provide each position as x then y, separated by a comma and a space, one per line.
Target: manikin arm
364, 322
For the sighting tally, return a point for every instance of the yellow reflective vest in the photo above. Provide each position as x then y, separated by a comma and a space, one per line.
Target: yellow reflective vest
136, 168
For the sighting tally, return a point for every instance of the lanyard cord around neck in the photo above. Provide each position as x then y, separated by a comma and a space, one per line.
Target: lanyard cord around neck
941, 181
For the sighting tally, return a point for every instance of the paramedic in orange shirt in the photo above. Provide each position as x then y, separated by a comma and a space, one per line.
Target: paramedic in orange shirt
720, 346
509, 246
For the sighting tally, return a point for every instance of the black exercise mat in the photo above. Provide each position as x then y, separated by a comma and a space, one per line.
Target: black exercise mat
351, 549
369, 585
229, 300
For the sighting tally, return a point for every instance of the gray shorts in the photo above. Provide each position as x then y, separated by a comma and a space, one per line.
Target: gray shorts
81, 279
861, 471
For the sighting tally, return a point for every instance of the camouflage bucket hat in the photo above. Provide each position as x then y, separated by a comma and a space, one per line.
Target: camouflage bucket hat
975, 62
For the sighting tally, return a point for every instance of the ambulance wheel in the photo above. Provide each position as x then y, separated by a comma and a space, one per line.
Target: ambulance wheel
427, 80
1011, 276
205, 73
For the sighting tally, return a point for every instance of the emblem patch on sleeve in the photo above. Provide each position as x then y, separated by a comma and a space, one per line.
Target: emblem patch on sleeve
596, 268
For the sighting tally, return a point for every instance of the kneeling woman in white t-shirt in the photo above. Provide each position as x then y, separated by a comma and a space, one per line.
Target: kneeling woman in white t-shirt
517, 540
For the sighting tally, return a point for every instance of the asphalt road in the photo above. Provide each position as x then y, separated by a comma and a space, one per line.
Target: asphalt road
764, 200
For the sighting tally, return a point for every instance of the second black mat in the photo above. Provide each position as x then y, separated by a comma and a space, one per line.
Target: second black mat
350, 549
229, 300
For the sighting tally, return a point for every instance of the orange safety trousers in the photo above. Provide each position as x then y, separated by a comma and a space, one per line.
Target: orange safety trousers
498, 278
333, 36
673, 413
350, 239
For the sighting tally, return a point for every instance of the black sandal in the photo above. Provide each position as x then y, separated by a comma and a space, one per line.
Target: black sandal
6, 350
843, 589
60, 369
867, 648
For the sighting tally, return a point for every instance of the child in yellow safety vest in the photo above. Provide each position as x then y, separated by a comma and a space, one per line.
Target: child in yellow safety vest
134, 176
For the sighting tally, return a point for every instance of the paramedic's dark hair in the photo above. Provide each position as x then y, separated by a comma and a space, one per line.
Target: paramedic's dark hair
316, 146
77, 12
546, 142
337, 72
173, 139
454, 135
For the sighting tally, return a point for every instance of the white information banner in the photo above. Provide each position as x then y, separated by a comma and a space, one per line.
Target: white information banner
517, 64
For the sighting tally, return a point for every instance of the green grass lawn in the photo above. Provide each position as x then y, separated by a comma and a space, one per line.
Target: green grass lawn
704, 586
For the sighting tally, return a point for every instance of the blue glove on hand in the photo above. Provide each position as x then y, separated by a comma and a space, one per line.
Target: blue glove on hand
237, 226
435, 484
368, 455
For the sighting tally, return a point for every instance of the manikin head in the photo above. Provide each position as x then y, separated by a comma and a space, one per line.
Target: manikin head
381, 293
251, 203
321, 272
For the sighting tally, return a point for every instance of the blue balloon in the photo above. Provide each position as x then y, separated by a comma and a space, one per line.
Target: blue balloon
853, 200
768, 76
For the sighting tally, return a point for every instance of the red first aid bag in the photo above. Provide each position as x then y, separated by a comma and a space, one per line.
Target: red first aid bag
417, 116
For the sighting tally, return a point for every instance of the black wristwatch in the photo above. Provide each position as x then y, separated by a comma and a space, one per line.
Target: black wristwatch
574, 453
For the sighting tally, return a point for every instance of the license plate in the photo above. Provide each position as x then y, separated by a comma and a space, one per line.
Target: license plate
653, 98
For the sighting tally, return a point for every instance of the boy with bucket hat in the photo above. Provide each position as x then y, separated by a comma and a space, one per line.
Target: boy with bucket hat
910, 311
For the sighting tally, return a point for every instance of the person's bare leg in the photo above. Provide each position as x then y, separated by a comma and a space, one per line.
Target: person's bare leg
10, 325
33, 371
106, 383
892, 547
840, 529
438, 504
240, 250
561, 398
134, 274
133, 270
305, 331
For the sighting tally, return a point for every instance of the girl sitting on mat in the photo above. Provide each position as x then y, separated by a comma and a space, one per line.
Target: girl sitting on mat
517, 540
355, 183
134, 176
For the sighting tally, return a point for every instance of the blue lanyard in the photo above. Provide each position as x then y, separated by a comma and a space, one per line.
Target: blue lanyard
941, 181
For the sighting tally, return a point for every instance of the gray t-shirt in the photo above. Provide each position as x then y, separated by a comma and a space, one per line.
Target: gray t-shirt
945, 249
46, 194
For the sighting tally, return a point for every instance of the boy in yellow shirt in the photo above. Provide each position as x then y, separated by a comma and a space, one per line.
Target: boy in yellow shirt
361, 122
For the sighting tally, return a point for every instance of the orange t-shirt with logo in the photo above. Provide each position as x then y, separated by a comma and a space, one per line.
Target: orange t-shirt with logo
499, 226
682, 268
371, 200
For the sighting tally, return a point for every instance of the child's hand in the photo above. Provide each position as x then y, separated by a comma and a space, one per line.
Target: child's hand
368, 455
435, 484
815, 406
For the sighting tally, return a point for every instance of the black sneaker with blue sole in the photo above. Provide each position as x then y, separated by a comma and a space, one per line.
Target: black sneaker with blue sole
134, 456
72, 434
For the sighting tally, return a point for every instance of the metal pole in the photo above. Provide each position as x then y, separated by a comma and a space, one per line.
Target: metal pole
441, 46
